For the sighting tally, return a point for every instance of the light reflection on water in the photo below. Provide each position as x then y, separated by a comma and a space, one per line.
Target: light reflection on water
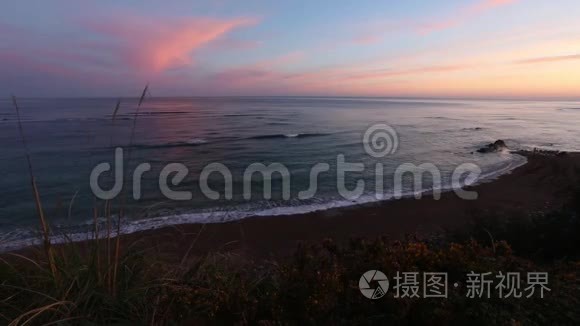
68, 137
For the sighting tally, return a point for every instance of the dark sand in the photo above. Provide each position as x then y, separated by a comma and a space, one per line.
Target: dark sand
543, 183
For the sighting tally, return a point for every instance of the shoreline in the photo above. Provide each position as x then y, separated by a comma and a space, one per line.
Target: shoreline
218, 217
275, 235
535, 186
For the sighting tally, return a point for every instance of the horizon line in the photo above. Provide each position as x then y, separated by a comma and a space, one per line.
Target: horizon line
418, 97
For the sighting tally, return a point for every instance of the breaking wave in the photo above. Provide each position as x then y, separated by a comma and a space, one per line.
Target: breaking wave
22, 238
298, 135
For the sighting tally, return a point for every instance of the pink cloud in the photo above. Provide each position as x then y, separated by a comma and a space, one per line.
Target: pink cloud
367, 39
462, 16
550, 59
119, 51
411, 71
374, 32
282, 60
243, 76
31, 76
490, 4
153, 45
265, 71
234, 44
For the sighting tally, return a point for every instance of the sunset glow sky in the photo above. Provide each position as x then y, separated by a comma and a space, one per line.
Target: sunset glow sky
445, 48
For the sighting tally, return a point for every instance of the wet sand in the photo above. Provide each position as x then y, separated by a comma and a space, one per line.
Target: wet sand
543, 183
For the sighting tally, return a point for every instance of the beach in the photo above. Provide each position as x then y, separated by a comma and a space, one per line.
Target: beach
68, 144
288, 163
540, 185
269, 268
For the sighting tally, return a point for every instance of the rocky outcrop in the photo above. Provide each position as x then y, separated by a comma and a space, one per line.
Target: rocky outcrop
497, 146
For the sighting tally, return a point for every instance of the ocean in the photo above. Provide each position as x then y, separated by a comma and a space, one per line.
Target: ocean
68, 138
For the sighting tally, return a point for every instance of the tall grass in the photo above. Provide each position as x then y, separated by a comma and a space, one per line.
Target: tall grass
43, 223
317, 285
76, 283
124, 195
104, 271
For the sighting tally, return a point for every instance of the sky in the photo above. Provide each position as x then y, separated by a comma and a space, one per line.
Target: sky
412, 48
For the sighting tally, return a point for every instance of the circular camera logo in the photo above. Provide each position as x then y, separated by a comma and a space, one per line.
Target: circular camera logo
377, 292
380, 140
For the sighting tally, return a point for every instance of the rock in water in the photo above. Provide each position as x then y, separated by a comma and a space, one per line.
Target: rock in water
497, 146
